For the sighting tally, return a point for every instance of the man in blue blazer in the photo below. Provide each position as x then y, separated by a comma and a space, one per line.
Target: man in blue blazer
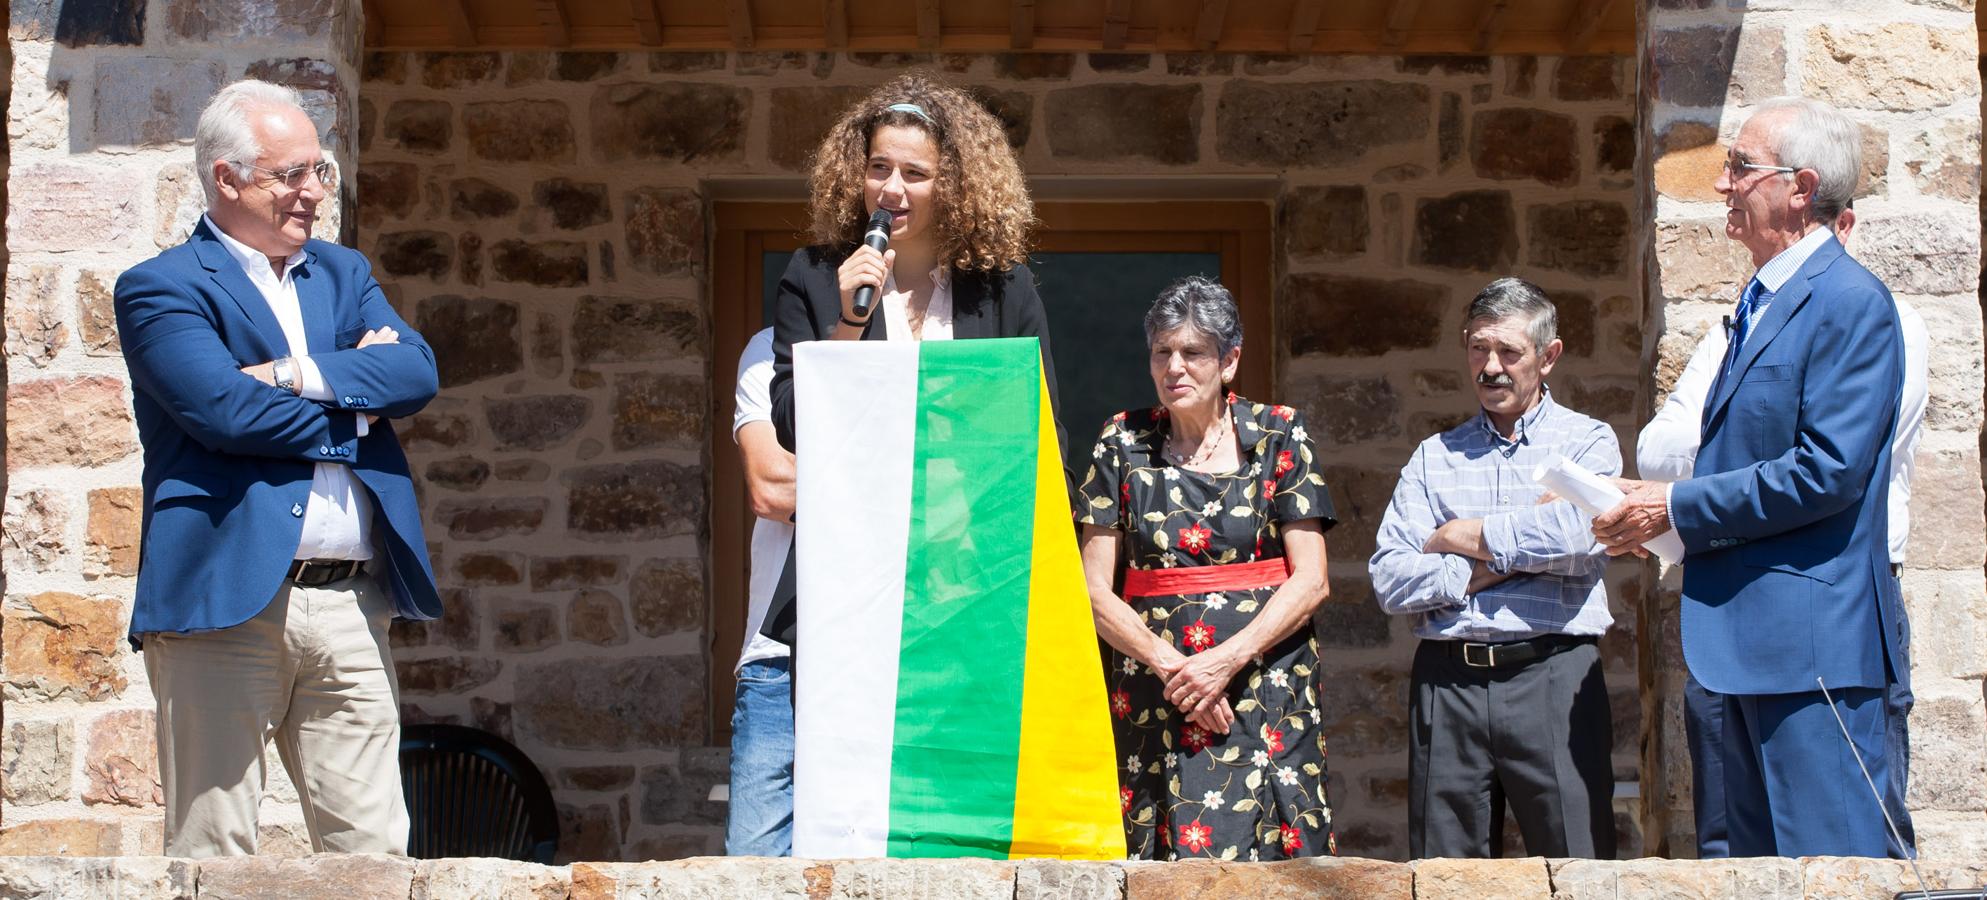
1786, 585
280, 530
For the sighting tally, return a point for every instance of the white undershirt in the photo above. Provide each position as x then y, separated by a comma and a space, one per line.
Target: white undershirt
938, 314
338, 519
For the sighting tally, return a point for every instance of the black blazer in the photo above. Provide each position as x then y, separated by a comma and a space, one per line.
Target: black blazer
809, 308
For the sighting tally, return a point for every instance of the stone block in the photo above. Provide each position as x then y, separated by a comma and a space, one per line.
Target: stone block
472, 340
461, 473
572, 204
1324, 877
535, 422
1340, 315
419, 126
1520, 143
1695, 261
534, 131
1449, 131
470, 199
1114, 122
1689, 159
35, 328
37, 523
415, 254
491, 879
1195, 65
1712, 65
112, 539
327, 875
1366, 712
1470, 230
1584, 237
1850, 878
60, 645
449, 69
1576, 315
597, 778
279, 21
1014, 109
181, 201
490, 569
639, 501
584, 65
1614, 145
97, 316
61, 837
1943, 160
654, 410
1947, 768
1316, 124
802, 116
1764, 878
612, 704
1921, 253
121, 760
1895, 66
665, 230
712, 877
667, 597
1118, 63
1446, 64
677, 63
387, 189
447, 675
1946, 521
1579, 78
35, 759
72, 207
671, 121
1361, 496
482, 520
542, 263
1349, 617
524, 626
1481, 879
1948, 623
671, 797
1054, 879
444, 424
103, 24
564, 573
596, 617
613, 329
1520, 75
1328, 222
1346, 411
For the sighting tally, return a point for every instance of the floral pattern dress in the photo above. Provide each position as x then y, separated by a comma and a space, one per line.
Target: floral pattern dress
1258, 792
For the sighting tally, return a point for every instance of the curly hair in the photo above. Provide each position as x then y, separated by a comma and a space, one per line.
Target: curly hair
984, 214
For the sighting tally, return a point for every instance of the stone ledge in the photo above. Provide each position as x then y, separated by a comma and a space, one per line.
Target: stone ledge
348, 877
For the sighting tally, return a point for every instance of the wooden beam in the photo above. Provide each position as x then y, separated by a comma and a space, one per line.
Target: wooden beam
648, 22
835, 22
1585, 23
1021, 24
1400, 20
552, 17
1490, 23
1117, 22
1213, 15
739, 15
1304, 24
928, 24
375, 24
461, 28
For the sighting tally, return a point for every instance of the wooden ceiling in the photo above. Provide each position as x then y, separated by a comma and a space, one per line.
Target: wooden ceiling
1133, 26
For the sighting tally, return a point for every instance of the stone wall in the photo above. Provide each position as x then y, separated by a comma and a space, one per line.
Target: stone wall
1906, 71
542, 218
100, 122
334, 876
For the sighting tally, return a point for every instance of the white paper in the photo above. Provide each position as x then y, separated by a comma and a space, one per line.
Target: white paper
1595, 495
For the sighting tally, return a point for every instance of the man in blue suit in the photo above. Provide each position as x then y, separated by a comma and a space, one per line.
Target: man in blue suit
280, 530
1786, 585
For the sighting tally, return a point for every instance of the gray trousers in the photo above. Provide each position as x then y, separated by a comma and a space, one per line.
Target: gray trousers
1535, 735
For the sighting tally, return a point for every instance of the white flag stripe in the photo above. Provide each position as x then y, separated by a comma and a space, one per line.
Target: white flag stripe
855, 409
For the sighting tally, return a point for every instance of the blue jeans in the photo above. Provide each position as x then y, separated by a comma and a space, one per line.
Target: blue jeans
761, 817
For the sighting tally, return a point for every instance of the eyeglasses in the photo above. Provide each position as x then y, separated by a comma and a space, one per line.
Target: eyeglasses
1736, 166
296, 178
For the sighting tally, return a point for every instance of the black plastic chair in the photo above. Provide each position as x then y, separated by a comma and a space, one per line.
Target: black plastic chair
470, 793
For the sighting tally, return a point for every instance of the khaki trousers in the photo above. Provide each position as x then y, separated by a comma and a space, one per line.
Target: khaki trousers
312, 671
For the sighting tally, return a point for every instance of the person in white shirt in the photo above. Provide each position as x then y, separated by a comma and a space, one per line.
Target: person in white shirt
760, 822
281, 534
1666, 451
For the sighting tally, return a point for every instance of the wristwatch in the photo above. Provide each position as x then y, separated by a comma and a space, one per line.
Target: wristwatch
286, 373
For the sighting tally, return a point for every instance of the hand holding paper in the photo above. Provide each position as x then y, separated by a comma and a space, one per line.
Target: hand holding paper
1595, 496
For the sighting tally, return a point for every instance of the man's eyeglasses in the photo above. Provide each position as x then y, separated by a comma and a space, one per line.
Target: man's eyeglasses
1736, 166
296, 178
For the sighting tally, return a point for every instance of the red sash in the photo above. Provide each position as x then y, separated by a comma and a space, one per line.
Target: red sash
1204, 579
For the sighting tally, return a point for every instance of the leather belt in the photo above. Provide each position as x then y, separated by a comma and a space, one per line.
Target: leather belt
320, 572
1512, 653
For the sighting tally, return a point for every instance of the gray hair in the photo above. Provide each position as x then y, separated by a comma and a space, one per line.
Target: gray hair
1817, 136
224, 133
1201, 303
1508, 298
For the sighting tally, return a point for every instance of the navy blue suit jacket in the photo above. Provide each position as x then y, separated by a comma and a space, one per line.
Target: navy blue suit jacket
1787, 575
229, 460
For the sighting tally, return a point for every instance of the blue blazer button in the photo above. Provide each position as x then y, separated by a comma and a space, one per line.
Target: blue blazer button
297, 509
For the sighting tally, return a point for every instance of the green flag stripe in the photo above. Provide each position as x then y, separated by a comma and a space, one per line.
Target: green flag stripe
958, 725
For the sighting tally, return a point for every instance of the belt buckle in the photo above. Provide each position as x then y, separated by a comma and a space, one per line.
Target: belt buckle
1489, 656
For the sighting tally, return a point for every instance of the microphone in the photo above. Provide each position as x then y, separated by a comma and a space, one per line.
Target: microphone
877, 236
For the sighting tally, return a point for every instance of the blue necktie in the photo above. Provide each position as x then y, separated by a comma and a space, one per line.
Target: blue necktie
1742, 319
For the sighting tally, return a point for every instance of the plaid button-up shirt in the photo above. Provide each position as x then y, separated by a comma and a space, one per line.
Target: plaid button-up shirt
1472, 472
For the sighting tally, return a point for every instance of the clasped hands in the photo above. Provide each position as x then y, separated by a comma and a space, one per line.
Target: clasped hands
1643, 514
266, 372
1198, 685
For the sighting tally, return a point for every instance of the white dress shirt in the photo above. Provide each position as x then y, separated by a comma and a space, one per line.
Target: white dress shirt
770, 537
338, 519
1666, 450
938, 314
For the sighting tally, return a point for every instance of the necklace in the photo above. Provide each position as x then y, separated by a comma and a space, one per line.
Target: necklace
1206, 450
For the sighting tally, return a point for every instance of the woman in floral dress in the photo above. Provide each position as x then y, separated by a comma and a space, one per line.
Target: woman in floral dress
1212, 510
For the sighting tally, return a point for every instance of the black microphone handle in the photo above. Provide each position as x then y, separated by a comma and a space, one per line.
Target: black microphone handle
877, 236
865, 296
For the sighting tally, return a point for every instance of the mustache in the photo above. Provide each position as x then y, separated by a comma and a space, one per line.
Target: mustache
1493, 380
